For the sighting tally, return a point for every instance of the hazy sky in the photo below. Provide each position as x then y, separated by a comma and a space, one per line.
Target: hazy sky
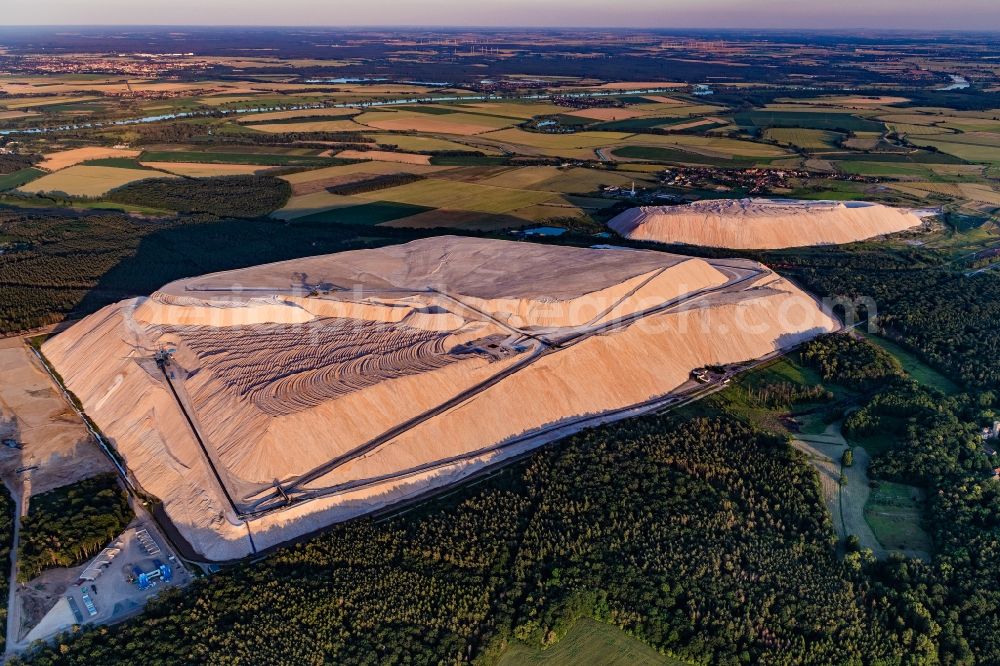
920, 14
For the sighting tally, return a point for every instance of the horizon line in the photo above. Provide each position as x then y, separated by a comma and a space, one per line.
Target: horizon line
362, 26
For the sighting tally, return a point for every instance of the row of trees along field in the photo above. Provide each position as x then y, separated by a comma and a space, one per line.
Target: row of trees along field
66, 526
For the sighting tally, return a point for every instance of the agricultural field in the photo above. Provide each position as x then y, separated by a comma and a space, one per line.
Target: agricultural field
204, 169
308, 126
303, 205
67, 158
360, 213
710, 145
9, 181
577, 145
421, 143
519, 110
384, 156
449, 122
805, 139
273, 116
434, 193
824, 120
553, 179
88, 181
969, 146
262, 159
676, 155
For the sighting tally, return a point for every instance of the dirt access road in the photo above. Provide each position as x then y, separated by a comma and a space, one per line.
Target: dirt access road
846, 503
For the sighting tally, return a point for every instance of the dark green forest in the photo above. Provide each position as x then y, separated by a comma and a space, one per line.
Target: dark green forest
936, 445
56, 264
67, 525
7, 509
846, 360
225, 196
702, 537
945, 316
11, 162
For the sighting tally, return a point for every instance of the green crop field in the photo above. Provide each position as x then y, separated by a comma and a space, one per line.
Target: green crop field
987, 151
364, 215
809, 139
10, 181
467, 160
588, 642
806, 119
433, 193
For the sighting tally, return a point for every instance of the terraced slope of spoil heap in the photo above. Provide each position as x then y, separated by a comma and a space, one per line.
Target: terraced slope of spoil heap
764, 223
292, 395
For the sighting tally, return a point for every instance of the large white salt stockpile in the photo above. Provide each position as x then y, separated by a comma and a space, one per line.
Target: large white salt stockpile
764, 223
264, 403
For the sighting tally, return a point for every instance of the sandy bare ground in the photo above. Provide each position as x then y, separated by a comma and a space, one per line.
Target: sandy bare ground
41, 594
67, 158
33, 412
360, 379
385, 156
764, 223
